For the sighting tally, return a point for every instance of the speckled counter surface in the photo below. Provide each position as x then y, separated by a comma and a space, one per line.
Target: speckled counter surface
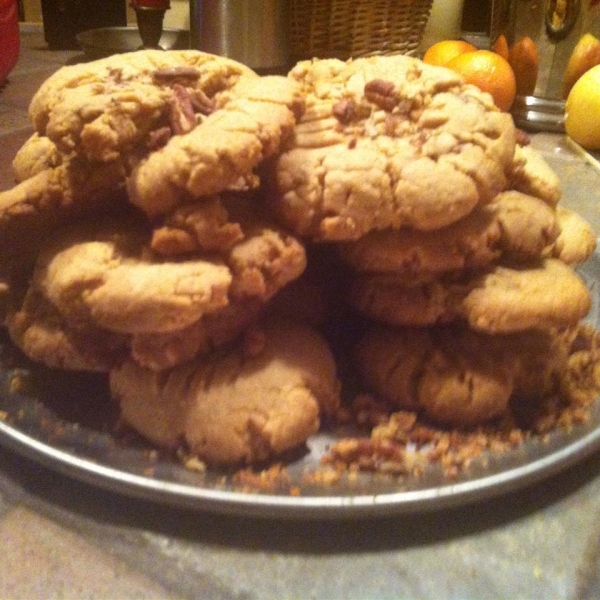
64, 539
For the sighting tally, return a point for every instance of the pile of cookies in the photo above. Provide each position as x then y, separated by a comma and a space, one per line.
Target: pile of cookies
170, 207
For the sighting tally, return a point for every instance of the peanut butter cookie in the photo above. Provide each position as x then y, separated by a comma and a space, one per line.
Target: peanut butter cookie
513, 225
457, 376
239, 406
385, 142
105, 108
502, 299
110, 279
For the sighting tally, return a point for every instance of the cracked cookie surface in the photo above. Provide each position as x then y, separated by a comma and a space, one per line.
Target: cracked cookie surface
502, 299
386, 142
246, 127
513, 225
457, 376
103, 109
237, 406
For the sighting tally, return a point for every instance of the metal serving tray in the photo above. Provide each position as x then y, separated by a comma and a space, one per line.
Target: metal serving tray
66, 422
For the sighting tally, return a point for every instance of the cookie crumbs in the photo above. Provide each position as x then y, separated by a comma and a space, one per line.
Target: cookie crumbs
266, 479
150, 454
193, 463
328, 475
402, 444
3, 415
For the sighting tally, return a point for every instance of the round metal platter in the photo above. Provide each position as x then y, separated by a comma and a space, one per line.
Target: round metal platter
67, 422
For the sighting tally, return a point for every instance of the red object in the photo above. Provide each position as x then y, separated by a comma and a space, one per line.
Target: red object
9, 37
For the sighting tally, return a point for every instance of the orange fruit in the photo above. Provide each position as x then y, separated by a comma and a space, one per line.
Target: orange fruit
443, 52
582, 110
524, 60
585, 55
490, 73
501, 46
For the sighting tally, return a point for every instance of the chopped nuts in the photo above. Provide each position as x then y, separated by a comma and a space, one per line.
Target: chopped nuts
169, 75
382, 93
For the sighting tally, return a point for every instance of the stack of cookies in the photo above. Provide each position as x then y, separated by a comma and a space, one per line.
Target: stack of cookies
460, 258
134, 245
168, 204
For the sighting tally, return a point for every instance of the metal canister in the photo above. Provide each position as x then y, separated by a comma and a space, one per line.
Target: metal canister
254, 33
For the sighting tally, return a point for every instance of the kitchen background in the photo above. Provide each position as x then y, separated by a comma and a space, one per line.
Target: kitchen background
476, 12
31, 11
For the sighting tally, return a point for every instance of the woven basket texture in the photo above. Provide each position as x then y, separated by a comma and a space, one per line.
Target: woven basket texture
352, 28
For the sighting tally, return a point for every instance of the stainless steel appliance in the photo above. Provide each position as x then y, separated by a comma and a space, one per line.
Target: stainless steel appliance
255, 33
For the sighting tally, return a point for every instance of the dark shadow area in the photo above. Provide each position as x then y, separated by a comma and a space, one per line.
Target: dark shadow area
53, 491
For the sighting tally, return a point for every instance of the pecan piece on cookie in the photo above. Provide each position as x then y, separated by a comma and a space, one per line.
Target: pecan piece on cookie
247, 126
382, 93
429, 149
104, 109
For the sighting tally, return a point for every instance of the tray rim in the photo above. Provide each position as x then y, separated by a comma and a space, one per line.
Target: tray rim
585, 442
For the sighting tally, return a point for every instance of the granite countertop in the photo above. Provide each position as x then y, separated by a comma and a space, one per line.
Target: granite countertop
62, 538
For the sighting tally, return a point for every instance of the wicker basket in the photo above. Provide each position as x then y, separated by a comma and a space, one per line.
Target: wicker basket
352, 28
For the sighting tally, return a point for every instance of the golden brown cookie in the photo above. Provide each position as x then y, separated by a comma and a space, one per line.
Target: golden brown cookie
221, 152
105, 108
44, 336
388, 141
238, 406
532, 175
500, 300
35, 207
37, 154
457, 376
109, 278
513, 225
577, 240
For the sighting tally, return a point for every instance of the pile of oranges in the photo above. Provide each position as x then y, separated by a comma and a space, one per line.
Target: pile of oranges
505, 72
501, 71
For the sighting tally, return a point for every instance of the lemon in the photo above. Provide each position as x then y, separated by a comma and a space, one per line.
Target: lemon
582, 110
